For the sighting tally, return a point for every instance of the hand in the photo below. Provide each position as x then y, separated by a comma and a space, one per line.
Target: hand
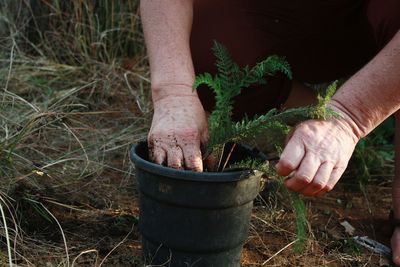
395, 244
178, 128
395, 241
316, 155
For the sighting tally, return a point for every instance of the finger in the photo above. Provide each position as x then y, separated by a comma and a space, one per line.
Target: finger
335, 176
320, 180
204, 137
395, 243
192, 158
305, 173
158, 155
175, 157
291, 157
211, 163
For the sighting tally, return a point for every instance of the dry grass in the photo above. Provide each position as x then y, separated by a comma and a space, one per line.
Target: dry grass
73, 101
73, 98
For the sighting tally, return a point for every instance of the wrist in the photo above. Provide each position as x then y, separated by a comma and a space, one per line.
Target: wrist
162, 91
347, 119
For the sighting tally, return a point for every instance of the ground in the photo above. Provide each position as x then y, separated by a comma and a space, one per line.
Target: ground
74, 98
109, 232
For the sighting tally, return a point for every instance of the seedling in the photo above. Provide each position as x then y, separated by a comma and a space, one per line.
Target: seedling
228, 83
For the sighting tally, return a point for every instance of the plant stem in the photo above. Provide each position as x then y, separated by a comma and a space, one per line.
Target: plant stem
228, 157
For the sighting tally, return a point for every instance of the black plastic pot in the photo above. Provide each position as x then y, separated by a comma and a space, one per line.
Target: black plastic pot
194, 219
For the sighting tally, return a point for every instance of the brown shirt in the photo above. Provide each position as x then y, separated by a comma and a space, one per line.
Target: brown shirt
322, 40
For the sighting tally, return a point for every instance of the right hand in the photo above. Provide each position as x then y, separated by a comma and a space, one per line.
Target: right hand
178, 128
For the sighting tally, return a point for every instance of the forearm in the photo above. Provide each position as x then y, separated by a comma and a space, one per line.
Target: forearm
167, 25
373, 93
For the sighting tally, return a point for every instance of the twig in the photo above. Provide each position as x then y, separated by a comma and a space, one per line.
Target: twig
229, 156
221, 153
119, 244
276, 254
86, 252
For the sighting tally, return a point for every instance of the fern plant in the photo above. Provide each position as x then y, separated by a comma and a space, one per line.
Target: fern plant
228, 83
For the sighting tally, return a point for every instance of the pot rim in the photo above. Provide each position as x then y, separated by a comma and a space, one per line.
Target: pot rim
217, 177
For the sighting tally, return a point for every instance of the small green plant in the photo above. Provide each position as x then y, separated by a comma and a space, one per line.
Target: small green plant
228, 83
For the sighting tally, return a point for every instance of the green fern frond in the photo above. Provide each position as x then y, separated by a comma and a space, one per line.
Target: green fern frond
273, 120
227, 84
267, 67
208, 80
245, 129
300, 212
251, 128
321, 111
272, 65
253, 164
228, 70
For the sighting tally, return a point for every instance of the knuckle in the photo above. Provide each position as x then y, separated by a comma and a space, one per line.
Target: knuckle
328, 187
286, 164
177, 134
304, 131
193, 163
303, 178
341, 167
306, 135
195, 168
193, 160
176, 166
318, 186
174, 136
189, 133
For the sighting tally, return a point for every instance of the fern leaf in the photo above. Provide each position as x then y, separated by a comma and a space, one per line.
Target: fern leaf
321, 111
208, 80
247, 129
276, 64
268, 67
227, 68
300, 212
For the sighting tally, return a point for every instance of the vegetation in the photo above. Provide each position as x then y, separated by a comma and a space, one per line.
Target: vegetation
73, 98
228, 83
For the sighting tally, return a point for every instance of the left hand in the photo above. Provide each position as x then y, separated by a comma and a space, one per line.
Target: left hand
316, 155
395, 243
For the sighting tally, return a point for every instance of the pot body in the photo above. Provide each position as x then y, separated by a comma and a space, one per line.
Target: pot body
193, 219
